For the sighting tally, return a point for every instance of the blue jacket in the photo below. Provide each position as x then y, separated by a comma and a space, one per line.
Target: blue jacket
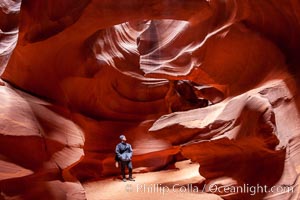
123, 151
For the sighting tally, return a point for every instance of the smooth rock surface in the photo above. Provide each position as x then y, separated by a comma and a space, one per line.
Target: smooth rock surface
213, 81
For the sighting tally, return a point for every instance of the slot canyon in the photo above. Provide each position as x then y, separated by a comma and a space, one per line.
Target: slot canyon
206, 92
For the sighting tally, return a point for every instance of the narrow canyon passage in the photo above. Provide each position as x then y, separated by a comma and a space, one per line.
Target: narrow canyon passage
206, 92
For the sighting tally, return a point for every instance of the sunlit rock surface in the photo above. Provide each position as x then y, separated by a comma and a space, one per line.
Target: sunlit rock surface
9, 13
37, 144
211, 81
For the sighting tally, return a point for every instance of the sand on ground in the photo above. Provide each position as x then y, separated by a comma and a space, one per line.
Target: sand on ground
180, 183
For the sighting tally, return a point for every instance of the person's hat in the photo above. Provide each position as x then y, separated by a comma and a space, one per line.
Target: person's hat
122, 137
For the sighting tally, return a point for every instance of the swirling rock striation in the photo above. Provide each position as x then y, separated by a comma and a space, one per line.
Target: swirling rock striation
212, 81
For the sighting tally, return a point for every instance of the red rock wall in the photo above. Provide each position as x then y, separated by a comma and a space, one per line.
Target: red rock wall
105, 69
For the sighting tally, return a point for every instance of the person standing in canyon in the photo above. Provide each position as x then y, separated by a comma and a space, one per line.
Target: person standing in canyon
123, 156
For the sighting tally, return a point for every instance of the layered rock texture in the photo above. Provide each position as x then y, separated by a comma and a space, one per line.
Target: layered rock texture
216, 82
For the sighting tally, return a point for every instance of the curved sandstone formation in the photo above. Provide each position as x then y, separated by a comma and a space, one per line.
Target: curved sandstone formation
212, 81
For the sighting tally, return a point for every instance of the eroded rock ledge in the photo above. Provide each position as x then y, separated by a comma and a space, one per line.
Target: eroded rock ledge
211, 81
